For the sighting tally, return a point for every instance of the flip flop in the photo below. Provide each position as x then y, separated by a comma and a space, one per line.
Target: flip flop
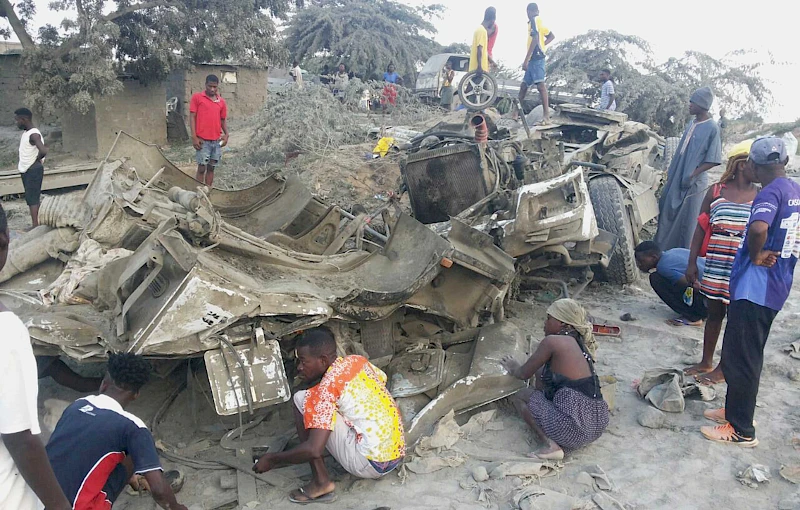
325, 498
704, 380
680, 321
558, 455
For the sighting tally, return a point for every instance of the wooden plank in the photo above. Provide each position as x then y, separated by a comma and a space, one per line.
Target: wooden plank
54, 178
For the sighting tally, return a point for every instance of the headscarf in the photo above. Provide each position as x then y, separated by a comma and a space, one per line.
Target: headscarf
571, 312
703, 97
739, 152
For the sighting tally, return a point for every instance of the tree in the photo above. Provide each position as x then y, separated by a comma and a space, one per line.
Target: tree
655, 94
84, 57
365, 35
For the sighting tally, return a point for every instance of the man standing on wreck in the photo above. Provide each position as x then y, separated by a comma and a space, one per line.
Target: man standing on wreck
350, 412
208, 118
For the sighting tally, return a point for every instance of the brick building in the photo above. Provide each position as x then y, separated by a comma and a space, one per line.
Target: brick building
138, 109
244, 88
12, 81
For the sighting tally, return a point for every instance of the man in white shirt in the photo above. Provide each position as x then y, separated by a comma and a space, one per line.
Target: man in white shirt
297, 74
32, 151
608, 99
27, 481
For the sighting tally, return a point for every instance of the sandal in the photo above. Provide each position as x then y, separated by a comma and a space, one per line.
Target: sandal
705, 380
680, 321
325, 498
556, 455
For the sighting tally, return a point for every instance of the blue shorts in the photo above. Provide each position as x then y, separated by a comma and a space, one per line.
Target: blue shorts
535, 72
210, 152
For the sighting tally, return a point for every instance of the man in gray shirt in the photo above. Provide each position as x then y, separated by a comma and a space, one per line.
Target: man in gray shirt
608, 100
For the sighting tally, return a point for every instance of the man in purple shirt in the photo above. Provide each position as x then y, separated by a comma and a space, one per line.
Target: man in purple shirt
761, 280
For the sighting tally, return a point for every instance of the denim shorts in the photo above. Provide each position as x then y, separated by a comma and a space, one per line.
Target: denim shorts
535, 72
210, 152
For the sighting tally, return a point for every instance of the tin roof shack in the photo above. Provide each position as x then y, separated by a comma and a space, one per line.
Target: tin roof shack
243, 88
138, 109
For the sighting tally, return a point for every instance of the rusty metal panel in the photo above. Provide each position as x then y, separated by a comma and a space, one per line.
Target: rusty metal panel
260, 362
444, 182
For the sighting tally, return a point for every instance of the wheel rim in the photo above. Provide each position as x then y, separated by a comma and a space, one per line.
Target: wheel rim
477, 91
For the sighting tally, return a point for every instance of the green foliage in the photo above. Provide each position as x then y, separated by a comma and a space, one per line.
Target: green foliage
83, 57
656, 94
365, 35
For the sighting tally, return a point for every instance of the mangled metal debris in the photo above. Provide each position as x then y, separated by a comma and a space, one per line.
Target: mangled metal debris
574, 193
177, 270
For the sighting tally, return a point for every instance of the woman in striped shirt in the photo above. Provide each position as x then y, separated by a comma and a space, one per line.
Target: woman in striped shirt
727, 209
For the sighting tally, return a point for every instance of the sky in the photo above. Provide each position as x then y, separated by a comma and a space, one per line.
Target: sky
714, 27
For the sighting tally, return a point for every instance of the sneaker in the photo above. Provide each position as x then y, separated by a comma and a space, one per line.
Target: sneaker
718, 416
726, 434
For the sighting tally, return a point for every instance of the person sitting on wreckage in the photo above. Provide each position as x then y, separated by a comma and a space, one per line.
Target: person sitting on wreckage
350, 412
565, 408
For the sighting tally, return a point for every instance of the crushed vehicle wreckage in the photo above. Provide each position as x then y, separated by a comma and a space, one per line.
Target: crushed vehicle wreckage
146, 260
573, 193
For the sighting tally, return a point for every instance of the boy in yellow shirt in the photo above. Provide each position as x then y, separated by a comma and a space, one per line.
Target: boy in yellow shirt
539, 36
479, 57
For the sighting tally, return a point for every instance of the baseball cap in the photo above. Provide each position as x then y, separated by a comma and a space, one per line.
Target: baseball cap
768, 150
741, 149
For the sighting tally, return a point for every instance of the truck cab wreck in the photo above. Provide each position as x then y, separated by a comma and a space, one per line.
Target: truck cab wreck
573, 193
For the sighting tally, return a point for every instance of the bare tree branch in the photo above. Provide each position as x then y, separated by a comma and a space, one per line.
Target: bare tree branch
7, 11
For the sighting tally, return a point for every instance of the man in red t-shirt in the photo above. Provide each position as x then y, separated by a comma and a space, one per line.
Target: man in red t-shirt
208, 116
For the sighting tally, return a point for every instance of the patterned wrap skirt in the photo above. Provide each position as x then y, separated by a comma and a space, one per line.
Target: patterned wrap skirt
571, 419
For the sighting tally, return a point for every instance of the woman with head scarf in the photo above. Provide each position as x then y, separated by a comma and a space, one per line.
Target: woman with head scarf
722, 222
565, 409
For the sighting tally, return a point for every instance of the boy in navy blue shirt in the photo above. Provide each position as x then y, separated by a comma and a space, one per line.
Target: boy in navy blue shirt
97, 446
761, 280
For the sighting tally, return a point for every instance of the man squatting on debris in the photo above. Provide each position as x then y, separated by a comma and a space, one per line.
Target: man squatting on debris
565, 409
26, 479
761, 280
97, 447
350, 412
32, 151
668, 278
208, 118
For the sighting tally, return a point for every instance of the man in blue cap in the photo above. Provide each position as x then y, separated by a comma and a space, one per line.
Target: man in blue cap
699, 150
761, 280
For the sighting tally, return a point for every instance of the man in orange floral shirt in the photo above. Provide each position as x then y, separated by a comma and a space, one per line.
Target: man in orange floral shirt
350, 412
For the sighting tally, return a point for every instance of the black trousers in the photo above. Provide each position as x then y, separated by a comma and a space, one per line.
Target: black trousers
742, 358
672, 295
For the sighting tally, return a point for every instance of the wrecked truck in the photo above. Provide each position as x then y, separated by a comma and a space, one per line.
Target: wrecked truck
147, 260
573, 193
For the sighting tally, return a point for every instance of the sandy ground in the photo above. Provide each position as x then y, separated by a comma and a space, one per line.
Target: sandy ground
672, 467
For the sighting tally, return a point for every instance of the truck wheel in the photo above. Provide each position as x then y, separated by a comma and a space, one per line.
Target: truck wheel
612, 216
670, 149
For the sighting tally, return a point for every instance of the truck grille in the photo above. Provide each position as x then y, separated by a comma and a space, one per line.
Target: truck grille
444, 182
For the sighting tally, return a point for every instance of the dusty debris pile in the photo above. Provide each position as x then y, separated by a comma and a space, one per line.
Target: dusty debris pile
328, 142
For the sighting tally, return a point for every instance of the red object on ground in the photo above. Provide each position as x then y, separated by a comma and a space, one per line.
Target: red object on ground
389, 95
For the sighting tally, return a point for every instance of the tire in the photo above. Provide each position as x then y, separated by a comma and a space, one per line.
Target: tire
612, 216
670, 149
485, 98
